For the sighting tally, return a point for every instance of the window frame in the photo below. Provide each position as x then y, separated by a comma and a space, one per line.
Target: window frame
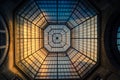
110, 39
4, 24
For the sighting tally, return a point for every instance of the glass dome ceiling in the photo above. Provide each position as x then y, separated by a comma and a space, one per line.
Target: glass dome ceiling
56, 39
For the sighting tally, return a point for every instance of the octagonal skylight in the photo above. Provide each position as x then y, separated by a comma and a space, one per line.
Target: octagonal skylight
56, 39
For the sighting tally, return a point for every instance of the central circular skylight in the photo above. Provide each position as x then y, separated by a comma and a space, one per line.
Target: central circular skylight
57, 38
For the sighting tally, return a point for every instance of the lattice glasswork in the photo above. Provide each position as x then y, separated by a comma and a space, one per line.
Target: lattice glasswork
56, 39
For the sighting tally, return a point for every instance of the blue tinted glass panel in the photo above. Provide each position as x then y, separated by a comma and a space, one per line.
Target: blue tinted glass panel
49, 9
118, 38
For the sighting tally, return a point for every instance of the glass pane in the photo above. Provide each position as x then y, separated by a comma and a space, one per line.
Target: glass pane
118, 39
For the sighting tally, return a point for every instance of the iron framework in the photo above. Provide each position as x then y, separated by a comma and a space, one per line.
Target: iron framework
39, 18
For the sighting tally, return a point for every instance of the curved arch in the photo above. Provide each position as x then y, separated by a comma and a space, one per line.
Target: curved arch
4, 36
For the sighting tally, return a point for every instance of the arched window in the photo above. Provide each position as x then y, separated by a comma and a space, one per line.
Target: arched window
4, 39
112, 39
116, 39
